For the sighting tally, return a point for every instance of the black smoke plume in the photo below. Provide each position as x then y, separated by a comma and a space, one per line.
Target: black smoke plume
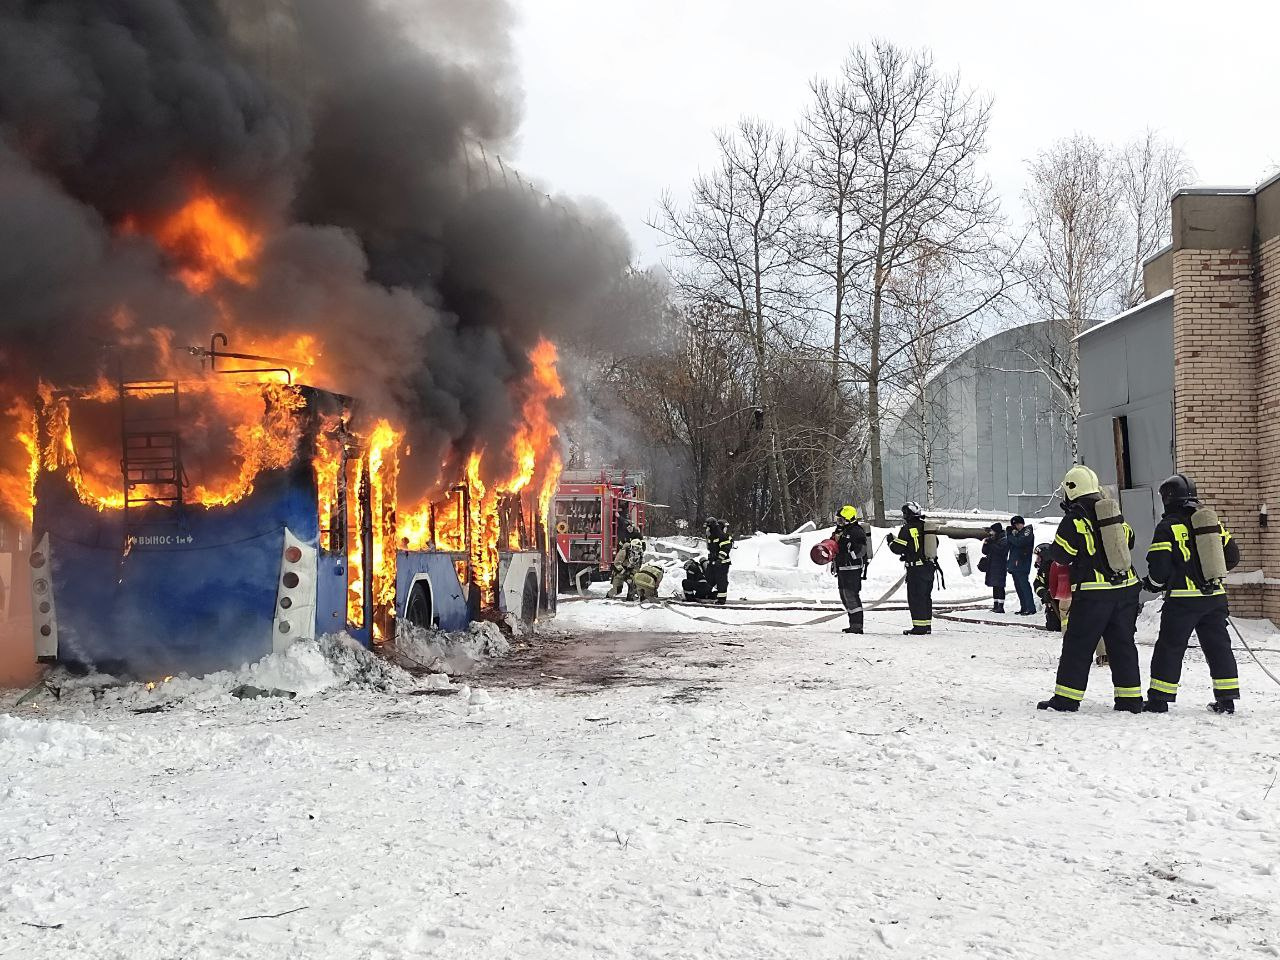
358, 137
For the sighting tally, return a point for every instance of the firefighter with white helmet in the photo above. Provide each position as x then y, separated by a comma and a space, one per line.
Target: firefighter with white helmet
1189, 556
1094, 543
913, 546
850, 564
627, 561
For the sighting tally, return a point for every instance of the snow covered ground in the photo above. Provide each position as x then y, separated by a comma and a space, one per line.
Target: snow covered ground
636, 784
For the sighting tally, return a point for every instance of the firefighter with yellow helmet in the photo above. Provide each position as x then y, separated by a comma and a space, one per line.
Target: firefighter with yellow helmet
1094, 543
853, 556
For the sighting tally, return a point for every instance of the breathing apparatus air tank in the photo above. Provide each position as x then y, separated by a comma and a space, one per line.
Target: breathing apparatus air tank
1207, 532
931, 539
1115, 538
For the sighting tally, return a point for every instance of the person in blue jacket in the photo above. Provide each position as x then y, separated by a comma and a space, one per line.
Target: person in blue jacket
1022, 545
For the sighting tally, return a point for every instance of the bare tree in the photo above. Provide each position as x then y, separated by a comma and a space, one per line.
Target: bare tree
923, 303
917, 180
1149, 171
833, 133
735, 242
1072, 269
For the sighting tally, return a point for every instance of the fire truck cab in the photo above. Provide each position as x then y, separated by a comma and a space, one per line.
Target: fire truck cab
591, 511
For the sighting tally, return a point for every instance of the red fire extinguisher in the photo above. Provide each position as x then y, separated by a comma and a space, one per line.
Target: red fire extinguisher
823, 552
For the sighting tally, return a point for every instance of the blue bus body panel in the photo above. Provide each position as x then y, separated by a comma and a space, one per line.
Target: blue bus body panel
190, 597
448, 598
331, 595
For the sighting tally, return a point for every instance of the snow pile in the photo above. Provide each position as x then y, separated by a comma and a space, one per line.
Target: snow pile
305, 669
22, 739
449, 652
776, 566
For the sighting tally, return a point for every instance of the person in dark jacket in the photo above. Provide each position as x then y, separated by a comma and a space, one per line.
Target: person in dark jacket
696, 586
719, 552
1044, 588
995, 562
850, 564
1022, 543
1191, 602
912, 545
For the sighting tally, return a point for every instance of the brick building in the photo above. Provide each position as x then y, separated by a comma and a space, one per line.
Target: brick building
1223, 270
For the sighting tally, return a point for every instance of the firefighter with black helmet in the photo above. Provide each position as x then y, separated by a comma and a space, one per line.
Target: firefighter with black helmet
1093, 541
1189, 555
912, 546
719, 548
850, 564
695, 584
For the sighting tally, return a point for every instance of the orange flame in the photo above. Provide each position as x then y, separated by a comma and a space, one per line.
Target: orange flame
269, 442
18, 487
208, 247
209, 244
384, 466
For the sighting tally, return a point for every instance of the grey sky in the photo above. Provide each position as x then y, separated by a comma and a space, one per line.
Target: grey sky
621, 99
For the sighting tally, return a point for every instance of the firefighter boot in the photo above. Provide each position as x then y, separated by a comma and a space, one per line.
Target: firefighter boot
917, 632
998, 607
1156, 706
1222, 706
1061, 704
1129, 704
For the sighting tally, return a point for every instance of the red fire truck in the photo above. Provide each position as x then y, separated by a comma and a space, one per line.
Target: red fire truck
591, 508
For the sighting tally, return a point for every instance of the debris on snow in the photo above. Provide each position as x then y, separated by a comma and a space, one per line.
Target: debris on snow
306, 668
449, 652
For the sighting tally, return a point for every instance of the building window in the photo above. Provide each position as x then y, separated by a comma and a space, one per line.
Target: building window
1124, 470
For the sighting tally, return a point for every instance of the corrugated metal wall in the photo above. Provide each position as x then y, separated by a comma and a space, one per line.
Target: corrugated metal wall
1126, 370
998, 433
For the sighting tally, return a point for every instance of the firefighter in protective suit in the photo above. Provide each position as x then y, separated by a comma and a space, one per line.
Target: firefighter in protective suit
695, 584
1193, 601
850, 564
1104, 601
626, 562
646, 581
719, 549
909, 545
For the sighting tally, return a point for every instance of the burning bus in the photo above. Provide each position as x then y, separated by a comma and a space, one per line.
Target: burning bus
143, 565
373, 440
219, 507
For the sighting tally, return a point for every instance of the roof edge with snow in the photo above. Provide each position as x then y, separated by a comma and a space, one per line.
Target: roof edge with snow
1145, 305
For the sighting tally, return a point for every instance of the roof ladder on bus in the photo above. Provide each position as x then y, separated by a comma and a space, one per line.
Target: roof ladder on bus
152, 458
